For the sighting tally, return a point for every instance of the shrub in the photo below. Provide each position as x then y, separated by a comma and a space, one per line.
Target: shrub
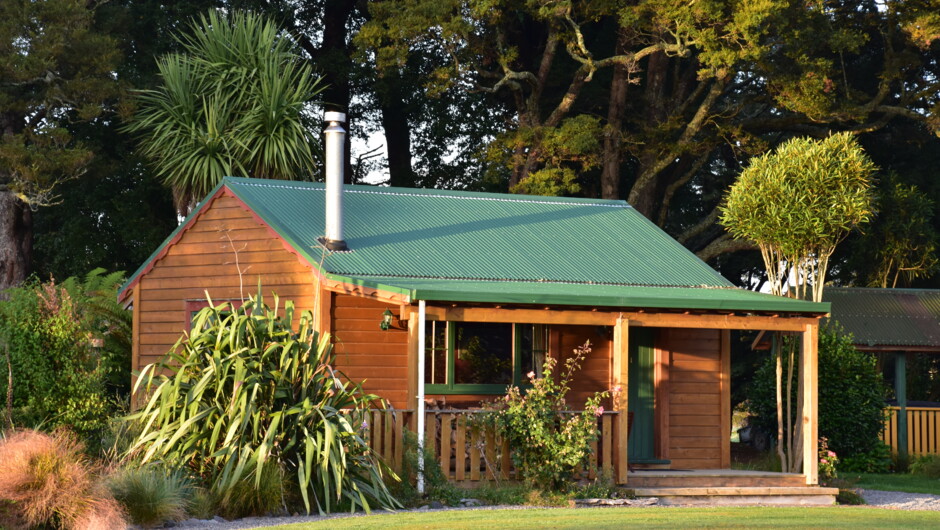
255, 497
244, 392
150, 495
828, 461
436, 485
69, 352
927, 466
49, 482
851, 396
547, 445
876, 460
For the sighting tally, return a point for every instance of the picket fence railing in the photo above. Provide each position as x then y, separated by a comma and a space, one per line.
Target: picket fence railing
469, 452
923, 430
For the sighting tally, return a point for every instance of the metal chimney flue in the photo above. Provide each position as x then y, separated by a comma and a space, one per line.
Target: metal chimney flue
335, 166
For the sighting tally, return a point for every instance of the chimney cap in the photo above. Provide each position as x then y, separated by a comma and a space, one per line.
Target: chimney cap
334, 116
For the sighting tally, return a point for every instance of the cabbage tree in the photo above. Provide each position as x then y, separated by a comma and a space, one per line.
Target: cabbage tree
231, 104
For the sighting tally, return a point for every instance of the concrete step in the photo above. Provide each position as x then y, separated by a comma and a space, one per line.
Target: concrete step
651, 479
741, 496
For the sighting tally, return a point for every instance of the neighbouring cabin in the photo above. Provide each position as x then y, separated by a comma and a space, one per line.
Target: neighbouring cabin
479, 289
897, 326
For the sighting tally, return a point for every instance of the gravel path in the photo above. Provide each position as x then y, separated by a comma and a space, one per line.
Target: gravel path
892, 500
899, 500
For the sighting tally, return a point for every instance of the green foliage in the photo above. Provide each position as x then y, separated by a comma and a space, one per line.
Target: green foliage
436, 485
244, 393
69, 348
828, 462
851, 397
232, 103
266, 495
926, 466
548, 445
55, 68
50, 483
849, 497
797, 203
903, 240
602, 487
875, 460
501, 494
150, 495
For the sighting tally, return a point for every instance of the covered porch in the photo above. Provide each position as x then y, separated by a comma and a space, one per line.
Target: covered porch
673, 417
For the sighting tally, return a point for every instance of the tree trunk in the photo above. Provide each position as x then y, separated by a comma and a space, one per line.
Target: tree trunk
397, 125
334, 58
610, 172
16, 240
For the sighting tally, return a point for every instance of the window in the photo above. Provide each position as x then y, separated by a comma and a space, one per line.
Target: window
194, 306
481, 357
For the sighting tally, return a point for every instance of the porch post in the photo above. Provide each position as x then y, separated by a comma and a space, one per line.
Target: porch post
900, 392
810, 404
619, 377
419, 410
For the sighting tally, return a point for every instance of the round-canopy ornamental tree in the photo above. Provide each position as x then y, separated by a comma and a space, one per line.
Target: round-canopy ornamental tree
797, 203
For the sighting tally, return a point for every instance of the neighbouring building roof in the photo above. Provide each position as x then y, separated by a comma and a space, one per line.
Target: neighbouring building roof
883, 318
499, 248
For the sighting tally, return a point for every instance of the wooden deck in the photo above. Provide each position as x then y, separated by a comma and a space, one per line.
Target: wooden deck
727, 486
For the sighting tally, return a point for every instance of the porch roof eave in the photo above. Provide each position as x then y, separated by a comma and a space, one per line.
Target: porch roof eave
567, 294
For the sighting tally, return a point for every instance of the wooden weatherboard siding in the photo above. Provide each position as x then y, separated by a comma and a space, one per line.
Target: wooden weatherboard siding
696, 435
208, 256
364, 352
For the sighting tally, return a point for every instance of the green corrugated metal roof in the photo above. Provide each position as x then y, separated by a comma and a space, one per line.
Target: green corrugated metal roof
486, 247
557, 293
433, 233
887, 317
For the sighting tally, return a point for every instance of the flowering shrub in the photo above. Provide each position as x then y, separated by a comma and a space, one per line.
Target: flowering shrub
827, 462
548, 443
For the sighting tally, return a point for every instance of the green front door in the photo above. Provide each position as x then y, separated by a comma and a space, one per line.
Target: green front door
641, 395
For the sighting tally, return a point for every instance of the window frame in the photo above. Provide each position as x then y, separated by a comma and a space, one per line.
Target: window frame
518, 378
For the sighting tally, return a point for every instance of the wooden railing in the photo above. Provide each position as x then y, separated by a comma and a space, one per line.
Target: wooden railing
468, 452
923, 430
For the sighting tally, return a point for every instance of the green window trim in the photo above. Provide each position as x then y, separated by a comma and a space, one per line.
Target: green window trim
518, 377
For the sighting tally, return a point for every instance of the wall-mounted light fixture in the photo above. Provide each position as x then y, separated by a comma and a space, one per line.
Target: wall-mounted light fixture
386, 320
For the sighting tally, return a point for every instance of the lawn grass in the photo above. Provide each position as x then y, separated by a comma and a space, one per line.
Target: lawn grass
894, 482
742, 517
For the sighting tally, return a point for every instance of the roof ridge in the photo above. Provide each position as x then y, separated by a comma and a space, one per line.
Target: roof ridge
550, 281
439, 194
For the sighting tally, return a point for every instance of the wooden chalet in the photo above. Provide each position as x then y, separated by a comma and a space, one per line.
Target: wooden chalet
474, 290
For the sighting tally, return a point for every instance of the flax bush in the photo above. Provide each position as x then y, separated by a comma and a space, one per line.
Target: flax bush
549, 444
244, 394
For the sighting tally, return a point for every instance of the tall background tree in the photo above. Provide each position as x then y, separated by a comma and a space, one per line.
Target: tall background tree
660, 103
55, 69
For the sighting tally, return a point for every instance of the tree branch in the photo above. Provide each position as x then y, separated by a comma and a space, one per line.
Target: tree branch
724, 245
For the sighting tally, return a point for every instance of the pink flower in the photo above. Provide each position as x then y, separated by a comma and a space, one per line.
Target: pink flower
831, 454
616, 389
530, 375
823, 461
599, 411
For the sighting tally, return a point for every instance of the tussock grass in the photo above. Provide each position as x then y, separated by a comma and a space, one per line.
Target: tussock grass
47, 481
150, 495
